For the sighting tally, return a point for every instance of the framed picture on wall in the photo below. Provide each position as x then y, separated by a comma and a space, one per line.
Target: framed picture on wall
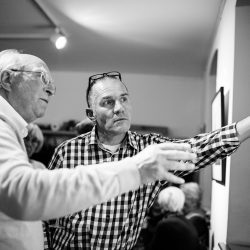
218, 120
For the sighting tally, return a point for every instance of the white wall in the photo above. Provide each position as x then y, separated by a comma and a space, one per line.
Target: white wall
224, 43
230, 214
239, 198
175, 102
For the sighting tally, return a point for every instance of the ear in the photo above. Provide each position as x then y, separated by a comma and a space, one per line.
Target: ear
90, 114
5, 80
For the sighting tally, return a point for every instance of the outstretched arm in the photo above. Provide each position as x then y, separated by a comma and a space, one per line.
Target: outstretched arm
243, 129
36, 194
215, 145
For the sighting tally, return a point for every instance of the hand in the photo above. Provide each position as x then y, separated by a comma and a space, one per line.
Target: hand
158, 161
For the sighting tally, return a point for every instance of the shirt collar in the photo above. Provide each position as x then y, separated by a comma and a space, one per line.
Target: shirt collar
93, 136
9, 114
130, 138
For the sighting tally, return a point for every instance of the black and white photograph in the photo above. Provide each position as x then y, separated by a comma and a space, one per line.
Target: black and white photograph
124, 125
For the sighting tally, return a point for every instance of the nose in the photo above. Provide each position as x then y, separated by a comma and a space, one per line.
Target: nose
118, 107
50, 89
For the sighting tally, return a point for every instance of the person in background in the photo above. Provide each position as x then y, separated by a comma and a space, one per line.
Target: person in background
84, 126
153, 216
174, 231
116, 224
195, 213
33, 144
29, 195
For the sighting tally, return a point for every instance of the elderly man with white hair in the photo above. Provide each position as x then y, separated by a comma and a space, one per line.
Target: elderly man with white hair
29, 195
194, 211
174, 231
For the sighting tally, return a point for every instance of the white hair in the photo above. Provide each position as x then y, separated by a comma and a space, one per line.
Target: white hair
7, 59
171, 199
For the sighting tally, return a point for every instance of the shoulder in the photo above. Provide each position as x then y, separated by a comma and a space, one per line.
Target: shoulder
80, 139
196, 215
66, 148
10, 137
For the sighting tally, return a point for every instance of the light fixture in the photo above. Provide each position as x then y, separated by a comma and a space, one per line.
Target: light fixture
52, 31
61, 42
59, 39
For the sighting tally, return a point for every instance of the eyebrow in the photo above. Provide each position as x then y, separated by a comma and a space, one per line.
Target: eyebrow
110, 97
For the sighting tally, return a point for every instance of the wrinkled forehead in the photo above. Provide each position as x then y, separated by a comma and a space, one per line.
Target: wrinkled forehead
24, 62
109, 86
31, 62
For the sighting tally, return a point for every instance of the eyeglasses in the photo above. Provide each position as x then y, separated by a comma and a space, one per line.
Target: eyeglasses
48, 84
112, 74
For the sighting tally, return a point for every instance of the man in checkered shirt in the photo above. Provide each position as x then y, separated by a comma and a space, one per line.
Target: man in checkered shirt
116, 224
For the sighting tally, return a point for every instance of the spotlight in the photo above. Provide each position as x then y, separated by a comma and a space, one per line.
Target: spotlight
59, 40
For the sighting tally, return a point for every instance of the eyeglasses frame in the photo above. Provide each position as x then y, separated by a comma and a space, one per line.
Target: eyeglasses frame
46, 84
106, 74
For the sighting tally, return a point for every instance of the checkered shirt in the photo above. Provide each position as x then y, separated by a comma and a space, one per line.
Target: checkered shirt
116, 224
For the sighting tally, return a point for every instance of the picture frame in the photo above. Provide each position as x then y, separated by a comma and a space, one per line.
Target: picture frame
218, 121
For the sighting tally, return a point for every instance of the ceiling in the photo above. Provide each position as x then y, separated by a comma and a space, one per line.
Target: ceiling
168, 37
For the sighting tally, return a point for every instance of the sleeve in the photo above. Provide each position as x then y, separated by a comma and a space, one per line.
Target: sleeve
40, 194
212, 146
215, 145
209, 147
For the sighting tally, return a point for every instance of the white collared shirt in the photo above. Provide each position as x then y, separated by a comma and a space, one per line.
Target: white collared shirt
29, 195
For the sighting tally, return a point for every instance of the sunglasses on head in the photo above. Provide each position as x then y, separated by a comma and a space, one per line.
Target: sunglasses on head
112, 74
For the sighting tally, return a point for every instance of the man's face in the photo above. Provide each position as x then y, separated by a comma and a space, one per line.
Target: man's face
111, 106
28, 95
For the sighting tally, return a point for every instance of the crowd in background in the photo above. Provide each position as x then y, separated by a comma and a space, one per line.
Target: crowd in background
176, 221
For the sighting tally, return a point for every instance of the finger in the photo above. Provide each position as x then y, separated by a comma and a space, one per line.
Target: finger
176, 146
180, 166
172, 178
179, 155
